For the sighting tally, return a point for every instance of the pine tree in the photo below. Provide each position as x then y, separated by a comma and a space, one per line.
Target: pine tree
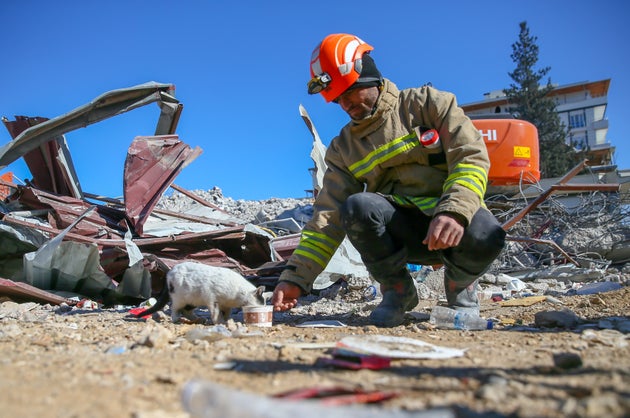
531, 103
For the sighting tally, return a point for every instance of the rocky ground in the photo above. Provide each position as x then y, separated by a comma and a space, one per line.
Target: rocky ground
563, 354
560, 357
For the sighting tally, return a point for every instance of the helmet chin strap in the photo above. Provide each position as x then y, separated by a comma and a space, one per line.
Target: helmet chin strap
380, 90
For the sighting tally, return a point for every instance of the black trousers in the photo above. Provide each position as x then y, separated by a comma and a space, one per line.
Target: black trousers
378, 229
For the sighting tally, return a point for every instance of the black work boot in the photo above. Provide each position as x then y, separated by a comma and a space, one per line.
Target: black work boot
397, 286
462, 296
397, 299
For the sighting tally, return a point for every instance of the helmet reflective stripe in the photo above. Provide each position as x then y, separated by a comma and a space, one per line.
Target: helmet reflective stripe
348, 56
316, 66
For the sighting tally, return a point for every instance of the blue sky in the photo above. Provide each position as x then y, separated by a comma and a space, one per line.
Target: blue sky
241, 67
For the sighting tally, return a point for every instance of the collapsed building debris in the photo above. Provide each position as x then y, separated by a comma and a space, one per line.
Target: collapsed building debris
35, 213
588, 221
58, 238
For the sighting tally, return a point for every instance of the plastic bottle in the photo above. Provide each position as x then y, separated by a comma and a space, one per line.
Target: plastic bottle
206, 399
447, 318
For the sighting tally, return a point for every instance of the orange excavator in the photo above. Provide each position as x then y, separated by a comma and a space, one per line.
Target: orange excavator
513, 148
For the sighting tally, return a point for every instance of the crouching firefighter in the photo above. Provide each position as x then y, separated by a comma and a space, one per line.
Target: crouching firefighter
405, 183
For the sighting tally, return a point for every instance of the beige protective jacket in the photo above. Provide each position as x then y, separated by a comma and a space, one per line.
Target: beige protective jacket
383, 154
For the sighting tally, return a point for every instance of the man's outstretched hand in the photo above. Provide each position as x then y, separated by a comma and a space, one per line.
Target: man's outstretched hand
285, 296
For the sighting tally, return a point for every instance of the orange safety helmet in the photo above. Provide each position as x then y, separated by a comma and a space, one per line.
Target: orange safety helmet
336, 64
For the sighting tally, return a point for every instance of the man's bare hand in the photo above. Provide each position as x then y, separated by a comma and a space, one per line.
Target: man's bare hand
444, 232
285, 296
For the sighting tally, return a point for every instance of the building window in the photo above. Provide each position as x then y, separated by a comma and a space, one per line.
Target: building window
577, 119
579, 142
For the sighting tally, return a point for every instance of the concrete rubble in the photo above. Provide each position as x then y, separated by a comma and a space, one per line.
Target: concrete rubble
69, 244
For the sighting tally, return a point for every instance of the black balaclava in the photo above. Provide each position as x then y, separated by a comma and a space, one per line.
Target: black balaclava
370, 75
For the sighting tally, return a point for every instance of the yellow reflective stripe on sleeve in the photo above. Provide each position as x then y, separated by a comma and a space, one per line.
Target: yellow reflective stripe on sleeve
384, 153
317, 247
323, 239
469, 176
312, 256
